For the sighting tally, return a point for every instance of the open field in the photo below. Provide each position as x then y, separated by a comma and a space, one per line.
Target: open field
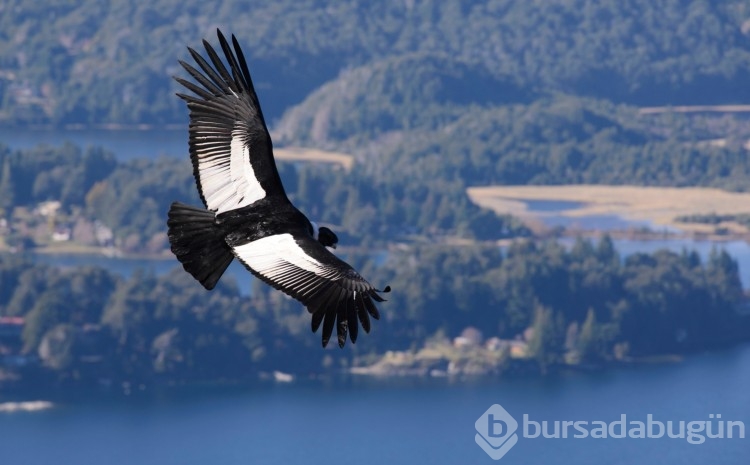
659, 205
315, 155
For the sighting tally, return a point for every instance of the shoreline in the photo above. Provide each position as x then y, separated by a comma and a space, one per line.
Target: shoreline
628, 235
42, 387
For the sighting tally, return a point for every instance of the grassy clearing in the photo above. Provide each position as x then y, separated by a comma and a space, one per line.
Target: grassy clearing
659, 205
314, 155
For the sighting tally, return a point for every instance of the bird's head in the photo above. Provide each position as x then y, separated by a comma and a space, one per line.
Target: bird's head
327, 237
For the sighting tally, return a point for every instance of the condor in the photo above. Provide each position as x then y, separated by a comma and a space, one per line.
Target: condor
247, 214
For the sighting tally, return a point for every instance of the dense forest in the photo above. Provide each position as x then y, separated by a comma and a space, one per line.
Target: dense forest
89, 62
426, 96
149, 328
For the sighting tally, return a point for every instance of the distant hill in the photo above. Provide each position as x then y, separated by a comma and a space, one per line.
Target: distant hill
91, 63
397, 93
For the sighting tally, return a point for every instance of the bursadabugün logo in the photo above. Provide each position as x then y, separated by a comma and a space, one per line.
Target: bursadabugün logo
496, 430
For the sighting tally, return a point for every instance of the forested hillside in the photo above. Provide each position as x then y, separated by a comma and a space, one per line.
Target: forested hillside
430, 98
91, 62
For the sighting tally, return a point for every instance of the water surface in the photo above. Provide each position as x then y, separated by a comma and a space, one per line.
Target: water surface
126, 144
390, 421
126, 267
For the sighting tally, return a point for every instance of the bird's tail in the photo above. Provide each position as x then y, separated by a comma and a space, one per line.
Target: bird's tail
198, 243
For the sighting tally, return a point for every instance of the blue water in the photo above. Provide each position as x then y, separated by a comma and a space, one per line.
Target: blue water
596, 222
125, 267
401, 421
125, 144
551, 205
550, 212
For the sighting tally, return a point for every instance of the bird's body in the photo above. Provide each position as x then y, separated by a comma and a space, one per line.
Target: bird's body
248, 215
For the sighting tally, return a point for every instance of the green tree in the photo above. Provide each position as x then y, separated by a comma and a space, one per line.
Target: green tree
590, 339
56, 347
547, 339
48, 311
7, 196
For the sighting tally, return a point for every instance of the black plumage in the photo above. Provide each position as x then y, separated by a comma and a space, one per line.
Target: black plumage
247, 213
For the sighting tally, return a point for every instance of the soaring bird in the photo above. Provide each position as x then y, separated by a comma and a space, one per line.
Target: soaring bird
247, 214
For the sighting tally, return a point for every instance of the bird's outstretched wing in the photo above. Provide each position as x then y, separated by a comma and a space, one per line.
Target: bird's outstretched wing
301, 267
230, 146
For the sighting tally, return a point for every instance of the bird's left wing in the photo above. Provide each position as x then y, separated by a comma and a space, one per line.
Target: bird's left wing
301, 267
230, 146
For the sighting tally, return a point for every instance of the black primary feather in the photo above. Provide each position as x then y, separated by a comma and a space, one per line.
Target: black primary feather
248, 215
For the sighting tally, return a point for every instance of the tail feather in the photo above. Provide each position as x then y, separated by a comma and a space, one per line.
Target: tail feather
198, 243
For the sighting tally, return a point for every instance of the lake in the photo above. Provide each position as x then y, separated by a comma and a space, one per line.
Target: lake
125, 267
126, 144
401, 421
553, 214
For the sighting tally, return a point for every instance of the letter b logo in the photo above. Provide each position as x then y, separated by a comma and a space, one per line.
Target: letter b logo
496, 432
496, 428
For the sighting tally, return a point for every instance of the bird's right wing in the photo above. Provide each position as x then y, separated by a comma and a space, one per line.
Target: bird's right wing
230, 146
301, 267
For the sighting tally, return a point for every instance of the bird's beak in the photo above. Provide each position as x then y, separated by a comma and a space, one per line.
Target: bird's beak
333, 246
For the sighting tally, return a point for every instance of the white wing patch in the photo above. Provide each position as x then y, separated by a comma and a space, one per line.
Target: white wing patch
227, 178
242, 170
275, 256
